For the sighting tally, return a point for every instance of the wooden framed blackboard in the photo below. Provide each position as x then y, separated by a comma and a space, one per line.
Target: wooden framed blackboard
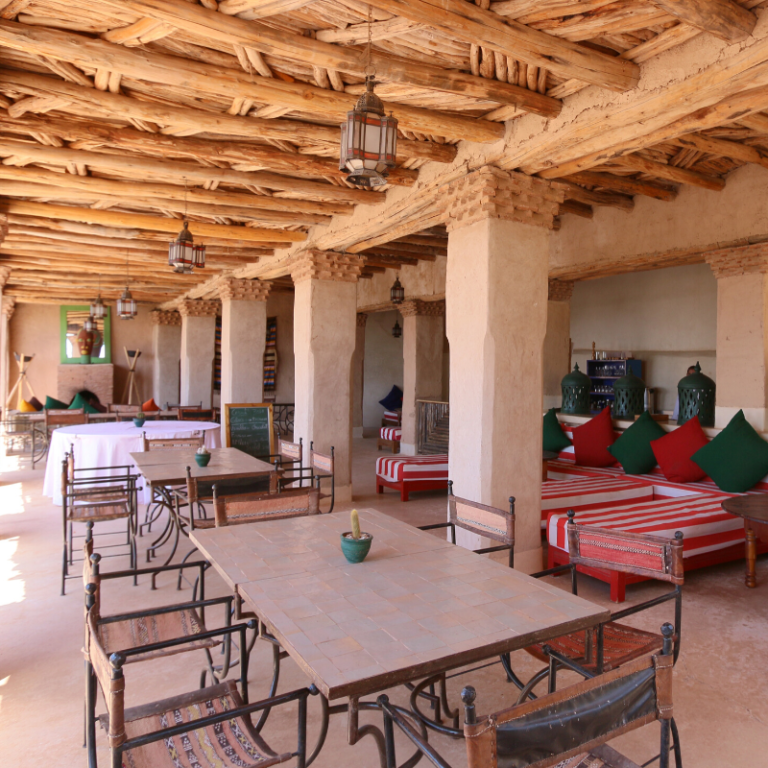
248, 427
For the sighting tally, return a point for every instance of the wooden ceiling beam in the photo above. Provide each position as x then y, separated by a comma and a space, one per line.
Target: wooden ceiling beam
722, 18
178, 72
433, 240
204, 23
722, 148
624, 184
381, 250
670, 172
593, 197
577, 209
172, 194
141, 221
137, 166
477, 26
756, 122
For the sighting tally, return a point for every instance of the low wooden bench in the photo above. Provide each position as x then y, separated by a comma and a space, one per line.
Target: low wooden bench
389, 437
412, 473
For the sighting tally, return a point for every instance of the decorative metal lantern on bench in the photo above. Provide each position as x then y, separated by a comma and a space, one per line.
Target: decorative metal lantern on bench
629, 394
697, 398
575, 387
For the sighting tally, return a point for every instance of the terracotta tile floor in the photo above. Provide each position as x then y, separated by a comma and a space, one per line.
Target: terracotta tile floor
721, 680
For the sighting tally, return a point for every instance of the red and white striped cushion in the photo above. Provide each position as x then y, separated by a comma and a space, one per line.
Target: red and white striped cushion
412, 468
705, 525
585, 493
391, 433
392, 416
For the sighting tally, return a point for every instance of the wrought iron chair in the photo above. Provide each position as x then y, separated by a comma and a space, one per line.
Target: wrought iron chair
196, 414
568, 728
60, 417
251, 508
123, 412
485, 521
224, 736
321, 467
612, 644
289, 458
90, 495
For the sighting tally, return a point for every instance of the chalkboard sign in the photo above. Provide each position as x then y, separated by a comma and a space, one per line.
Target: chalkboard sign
248, 427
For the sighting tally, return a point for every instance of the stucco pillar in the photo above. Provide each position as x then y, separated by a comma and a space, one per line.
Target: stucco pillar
8, 305
742, 333
324, 333
496, 312
358, 376
423, 334
166, 350
198, 341
557, 342
243, 339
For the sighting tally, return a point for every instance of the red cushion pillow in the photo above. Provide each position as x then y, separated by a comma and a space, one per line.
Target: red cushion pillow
591, 441
150, 406
674, 451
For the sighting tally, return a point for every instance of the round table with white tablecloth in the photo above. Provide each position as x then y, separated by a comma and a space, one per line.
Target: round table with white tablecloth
110, 444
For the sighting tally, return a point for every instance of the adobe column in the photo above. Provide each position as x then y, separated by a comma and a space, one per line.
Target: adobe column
742, 333
358, 375
166, 348
324, 331
557, 342
198, 341
423, 334
496, 301
8, 305
243, 339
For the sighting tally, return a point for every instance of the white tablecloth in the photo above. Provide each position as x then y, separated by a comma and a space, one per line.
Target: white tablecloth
111, 443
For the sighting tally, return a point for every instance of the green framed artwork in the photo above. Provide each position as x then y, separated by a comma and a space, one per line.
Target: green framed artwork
72, 318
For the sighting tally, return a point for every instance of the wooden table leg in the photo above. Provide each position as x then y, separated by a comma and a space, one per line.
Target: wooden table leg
750, 579
544, 471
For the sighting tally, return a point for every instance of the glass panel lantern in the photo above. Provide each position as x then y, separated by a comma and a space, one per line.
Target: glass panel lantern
98, 310
368, 141
397, 292
629, 397
575, 387
397, 330
697, 398
183, 254
126, 306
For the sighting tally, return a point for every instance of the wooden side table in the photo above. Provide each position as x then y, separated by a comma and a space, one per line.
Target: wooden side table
754, 510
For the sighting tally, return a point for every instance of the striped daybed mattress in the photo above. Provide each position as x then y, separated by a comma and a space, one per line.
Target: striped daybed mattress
393, 434
412, 473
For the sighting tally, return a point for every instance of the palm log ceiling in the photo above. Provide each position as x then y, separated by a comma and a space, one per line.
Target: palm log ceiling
117, 116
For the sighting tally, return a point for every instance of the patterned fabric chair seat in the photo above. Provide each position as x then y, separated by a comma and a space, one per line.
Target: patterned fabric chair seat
412, 473
101, 512
230, 743
391, 433
145, 630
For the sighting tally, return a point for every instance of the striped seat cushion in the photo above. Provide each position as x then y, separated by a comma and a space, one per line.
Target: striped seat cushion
391, 433
412, 468
705, 525
585, 493
392, 416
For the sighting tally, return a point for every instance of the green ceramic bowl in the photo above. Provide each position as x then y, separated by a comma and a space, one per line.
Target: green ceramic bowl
355, 550
202, 459
138, 422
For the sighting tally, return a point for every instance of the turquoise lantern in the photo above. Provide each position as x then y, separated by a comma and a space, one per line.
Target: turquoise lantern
628, 398
696, 394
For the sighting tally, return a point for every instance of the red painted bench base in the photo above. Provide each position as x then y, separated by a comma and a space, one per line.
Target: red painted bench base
407, 487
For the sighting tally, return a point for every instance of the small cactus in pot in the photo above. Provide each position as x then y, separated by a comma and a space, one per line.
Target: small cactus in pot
139, 419
202, 456
355, 544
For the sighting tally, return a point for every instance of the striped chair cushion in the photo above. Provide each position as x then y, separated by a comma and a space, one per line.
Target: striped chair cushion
705, 525
585, 493
392, 416
413, 468
391, 433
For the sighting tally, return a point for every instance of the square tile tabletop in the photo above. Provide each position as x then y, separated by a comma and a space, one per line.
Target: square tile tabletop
417, 605
169, 467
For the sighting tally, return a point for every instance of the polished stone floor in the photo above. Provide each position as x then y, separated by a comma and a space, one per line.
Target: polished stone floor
721, 680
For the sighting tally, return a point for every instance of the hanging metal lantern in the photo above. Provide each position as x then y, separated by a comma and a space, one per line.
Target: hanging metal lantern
98, 310
126, 306
397, 292
397, 330
183, 254
368, 140
575, 387
629, 397
696, 394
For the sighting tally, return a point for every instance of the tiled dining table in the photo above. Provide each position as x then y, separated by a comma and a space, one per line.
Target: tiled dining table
418, 605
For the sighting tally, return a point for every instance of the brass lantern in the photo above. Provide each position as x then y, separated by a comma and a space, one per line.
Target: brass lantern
368, 141
183, 254
397, 330
126, 306
397, 292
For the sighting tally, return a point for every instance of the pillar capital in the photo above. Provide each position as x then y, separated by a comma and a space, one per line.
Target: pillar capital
326, 265
560, 290
243, 290
739, 260
8, 307
418, 307
362, 319
165, 317
198, 308
490, 193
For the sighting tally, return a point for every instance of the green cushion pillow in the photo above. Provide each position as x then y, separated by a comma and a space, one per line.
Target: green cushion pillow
737, 458
633, 449
53, 403
554, 437
79, 402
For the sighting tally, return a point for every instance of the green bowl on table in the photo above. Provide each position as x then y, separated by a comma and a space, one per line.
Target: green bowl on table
355, 550
139, 422
202, 459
